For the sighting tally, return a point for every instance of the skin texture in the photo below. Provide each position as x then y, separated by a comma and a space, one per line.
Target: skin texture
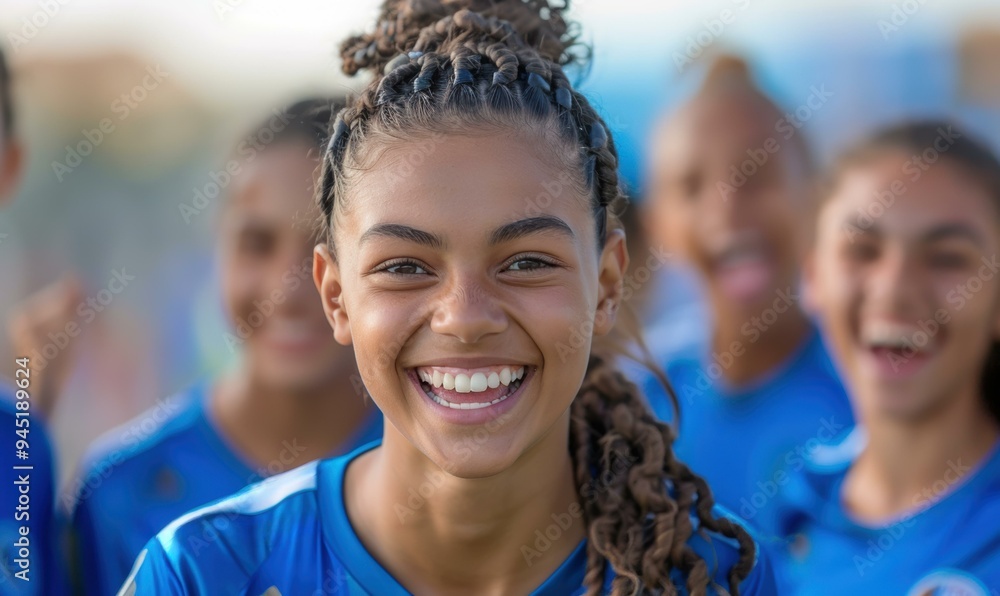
687, 211
469, 303
903, 269
295, 382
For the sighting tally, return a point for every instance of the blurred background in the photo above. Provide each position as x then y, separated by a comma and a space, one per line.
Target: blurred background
213, 67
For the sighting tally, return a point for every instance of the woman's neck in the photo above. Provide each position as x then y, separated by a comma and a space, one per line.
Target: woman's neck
909, 465
435, 532
277, 430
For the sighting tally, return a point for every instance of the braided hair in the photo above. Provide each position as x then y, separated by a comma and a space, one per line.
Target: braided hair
457, 65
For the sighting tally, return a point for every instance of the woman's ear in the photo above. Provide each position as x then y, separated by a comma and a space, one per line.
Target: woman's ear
611, 279
326, 275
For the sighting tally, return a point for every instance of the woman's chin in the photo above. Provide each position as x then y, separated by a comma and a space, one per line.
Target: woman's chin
471, 460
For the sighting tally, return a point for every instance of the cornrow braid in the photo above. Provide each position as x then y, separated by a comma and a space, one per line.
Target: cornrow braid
454, 65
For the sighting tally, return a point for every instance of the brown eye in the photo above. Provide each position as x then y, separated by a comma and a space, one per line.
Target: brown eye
528, 263
256, 243
947, 260
407, 269
862, 252
402, 267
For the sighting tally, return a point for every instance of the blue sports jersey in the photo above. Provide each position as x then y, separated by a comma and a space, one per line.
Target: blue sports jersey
747, 441
143, 475
27, 500
949, 544
290, 534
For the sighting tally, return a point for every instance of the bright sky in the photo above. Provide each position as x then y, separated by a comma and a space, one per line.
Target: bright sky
296, 39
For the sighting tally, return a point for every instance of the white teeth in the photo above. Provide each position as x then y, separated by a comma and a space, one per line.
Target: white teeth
475, 383
889, 335
478, 382
471, 383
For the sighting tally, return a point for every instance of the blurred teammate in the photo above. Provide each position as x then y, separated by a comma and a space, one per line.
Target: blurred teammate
296, 396
729, 191
905, 275
28, 564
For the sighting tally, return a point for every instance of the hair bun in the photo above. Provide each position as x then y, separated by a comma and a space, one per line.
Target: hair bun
539, 23
727, 72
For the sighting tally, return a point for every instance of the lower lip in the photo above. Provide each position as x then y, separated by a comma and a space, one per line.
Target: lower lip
895, 366
478, 416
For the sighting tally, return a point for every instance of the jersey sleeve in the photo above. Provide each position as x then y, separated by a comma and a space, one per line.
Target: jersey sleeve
152, 574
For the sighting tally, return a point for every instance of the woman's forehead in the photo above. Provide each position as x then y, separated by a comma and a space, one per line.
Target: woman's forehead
466, 179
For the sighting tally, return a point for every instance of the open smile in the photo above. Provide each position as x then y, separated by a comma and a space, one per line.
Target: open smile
486, 389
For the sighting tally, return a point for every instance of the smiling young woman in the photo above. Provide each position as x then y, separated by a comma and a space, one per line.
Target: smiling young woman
904, 281
515, 459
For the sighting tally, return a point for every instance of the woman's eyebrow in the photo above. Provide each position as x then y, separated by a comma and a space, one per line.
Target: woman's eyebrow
403, 232
505, 233
531, 225
954, 231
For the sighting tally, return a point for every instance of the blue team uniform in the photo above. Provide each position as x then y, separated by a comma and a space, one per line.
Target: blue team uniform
143, 475
747, 441
949, 544
290, 534
43, 573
